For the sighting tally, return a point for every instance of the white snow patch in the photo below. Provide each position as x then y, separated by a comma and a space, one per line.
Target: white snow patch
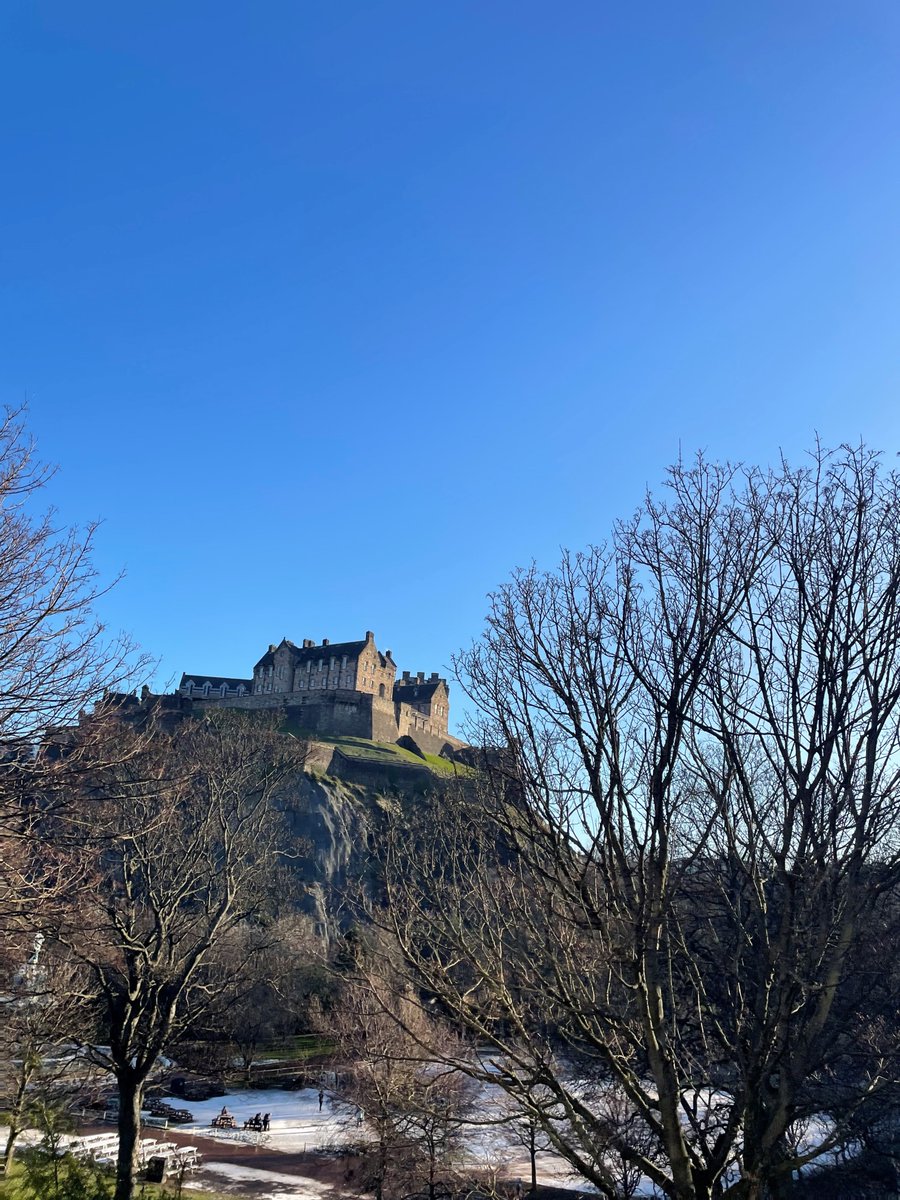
295, 1122
284, 1187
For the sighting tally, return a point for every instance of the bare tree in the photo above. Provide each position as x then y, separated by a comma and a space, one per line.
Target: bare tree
698, 819
39, 1008
526, 1132
255, 1011
411, 1110
183, 841
56, 657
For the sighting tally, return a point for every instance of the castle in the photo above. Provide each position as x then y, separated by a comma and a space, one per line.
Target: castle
338, 689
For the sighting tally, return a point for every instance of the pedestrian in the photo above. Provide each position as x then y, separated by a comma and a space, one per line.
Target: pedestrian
518, 1189
321, 1099
265, 1122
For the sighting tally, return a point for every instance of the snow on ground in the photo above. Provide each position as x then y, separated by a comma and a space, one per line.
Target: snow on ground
296, 1124
236, 1179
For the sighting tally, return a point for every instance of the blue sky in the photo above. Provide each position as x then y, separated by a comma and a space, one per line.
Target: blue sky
336, 312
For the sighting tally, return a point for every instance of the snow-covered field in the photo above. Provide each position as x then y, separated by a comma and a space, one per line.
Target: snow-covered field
234, 1179
296, 1124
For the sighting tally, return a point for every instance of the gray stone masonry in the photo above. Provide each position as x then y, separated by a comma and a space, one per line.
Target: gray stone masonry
342, 689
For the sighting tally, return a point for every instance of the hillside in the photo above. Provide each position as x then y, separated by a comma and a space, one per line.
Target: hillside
349, 786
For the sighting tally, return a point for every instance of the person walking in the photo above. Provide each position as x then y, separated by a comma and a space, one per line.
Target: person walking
321, 1099
265, 1122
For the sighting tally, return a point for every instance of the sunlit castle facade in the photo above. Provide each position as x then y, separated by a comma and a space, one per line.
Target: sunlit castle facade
340, 688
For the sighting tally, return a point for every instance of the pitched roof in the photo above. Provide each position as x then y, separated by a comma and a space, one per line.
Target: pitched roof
332, 650
216, 681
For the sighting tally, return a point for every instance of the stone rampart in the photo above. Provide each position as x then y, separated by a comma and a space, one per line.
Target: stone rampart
411, 722
335, 714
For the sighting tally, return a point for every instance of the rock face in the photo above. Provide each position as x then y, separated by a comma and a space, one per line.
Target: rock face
333, 811
331, 824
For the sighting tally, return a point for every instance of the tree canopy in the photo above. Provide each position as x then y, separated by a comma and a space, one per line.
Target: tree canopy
676, 963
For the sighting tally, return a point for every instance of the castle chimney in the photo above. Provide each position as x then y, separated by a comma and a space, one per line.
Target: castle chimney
271, 647
406, 676
370, 636
420, 678
326, 642
434, 675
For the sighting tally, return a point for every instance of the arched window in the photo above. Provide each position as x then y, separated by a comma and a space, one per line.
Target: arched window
381, 690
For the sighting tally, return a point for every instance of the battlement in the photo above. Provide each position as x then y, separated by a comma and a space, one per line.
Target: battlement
406, 677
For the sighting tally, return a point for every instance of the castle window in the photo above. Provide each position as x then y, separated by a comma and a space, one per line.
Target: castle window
381, 690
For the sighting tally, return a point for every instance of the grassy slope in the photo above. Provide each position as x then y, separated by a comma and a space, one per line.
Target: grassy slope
384, 752
15, 1187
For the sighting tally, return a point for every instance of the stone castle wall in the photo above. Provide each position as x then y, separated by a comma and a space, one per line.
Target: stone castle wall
347, 713
343, 689
412, 723
336, 714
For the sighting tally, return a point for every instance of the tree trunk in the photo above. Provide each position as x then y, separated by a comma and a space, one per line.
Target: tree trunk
382, 1169
10, 1142
532, 1154
15, 1119
129, 1134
